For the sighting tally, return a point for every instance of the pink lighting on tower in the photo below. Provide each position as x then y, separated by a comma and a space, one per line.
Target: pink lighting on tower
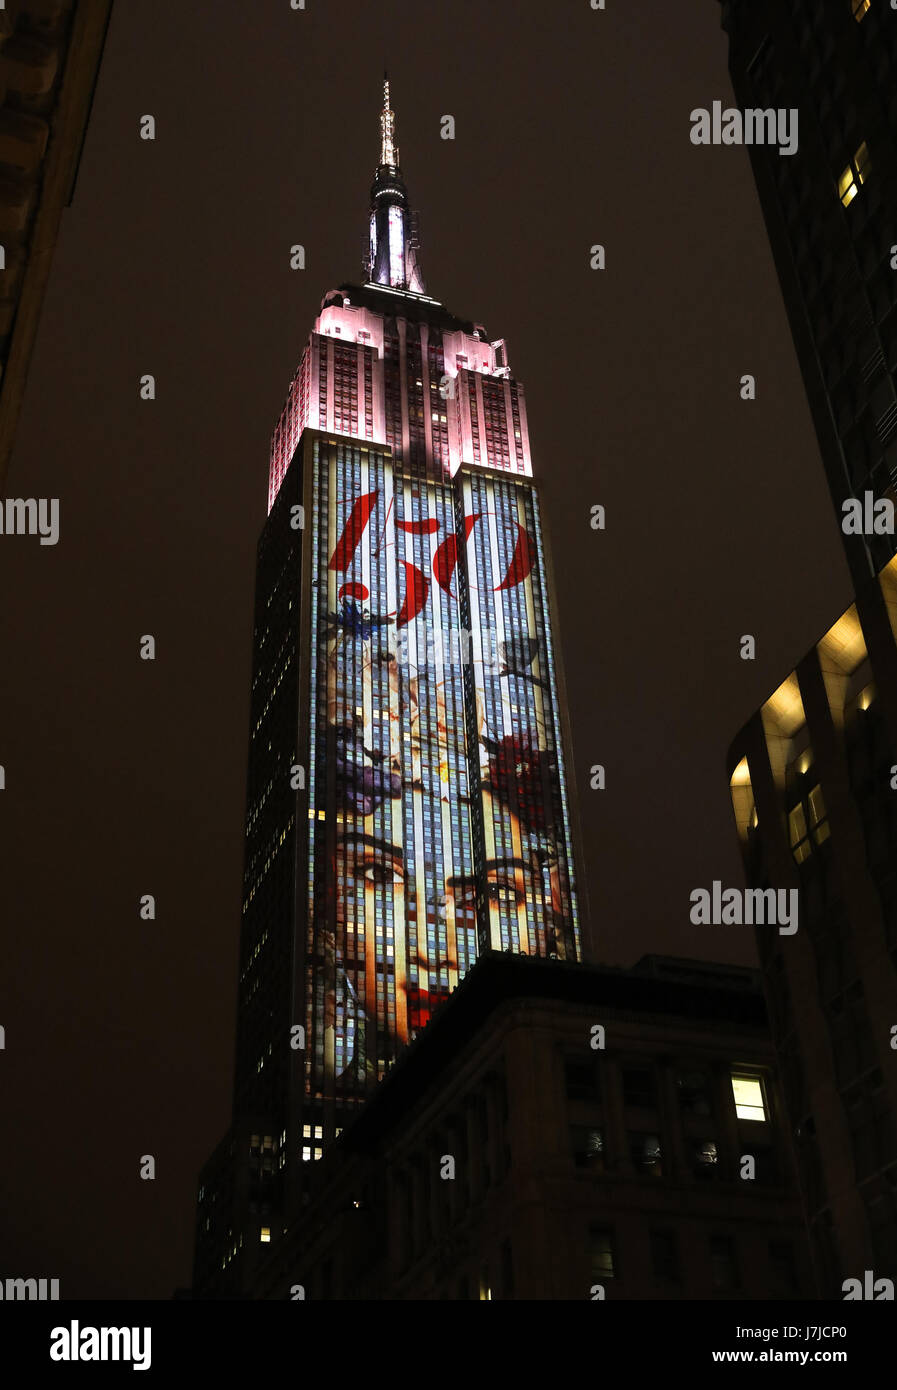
414, 378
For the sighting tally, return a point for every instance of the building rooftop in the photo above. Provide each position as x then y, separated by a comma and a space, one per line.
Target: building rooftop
657, 985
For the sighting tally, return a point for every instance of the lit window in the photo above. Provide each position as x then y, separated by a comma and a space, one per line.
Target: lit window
860, 7
861, 162
818, 820
854, 175
644, 1150
748, 1094
588, 1147
706, 1156
847, 189
797, 832
265, 1235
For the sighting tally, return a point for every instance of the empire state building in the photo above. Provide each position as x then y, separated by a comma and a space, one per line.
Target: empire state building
407, 793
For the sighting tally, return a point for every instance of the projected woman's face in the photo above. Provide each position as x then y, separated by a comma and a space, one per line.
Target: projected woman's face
401, 919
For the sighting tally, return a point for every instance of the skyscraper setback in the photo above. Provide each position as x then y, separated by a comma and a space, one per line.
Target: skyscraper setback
407, 800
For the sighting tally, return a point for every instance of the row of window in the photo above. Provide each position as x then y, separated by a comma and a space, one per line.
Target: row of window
647, 1154
722, 1257
640, 1089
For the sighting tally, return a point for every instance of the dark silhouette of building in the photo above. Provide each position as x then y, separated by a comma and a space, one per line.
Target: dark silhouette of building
564, 1131
409, 787
811, 774
813, 779
50, 52
831, 215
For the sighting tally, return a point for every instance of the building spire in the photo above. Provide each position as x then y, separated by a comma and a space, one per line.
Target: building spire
392, 257
389, 153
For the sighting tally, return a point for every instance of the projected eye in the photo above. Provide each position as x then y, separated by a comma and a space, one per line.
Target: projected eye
505, 892
465, 897
375, 871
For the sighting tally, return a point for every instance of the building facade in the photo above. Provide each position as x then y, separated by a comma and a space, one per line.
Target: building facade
566, 1132
811, 774
831, 214
814, 788
408, 802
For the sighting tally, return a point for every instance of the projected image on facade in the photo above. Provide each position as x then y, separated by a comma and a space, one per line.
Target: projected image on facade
436, 802
404, 662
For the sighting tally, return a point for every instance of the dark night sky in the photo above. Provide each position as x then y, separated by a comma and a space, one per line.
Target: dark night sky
126, 777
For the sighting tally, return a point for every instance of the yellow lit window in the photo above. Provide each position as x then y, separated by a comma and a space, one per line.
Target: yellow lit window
847, 189
748, 1095
854, 175
797, 828
818, 819
861, 162
860, 7
265, 1235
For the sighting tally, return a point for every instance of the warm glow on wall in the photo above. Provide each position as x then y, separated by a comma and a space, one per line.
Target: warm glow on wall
741, 777
743, 798
786, 707
844, 642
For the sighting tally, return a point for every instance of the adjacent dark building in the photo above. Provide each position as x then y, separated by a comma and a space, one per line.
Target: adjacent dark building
50, 53
564, 1131
813, 773
813, 779
831, 214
